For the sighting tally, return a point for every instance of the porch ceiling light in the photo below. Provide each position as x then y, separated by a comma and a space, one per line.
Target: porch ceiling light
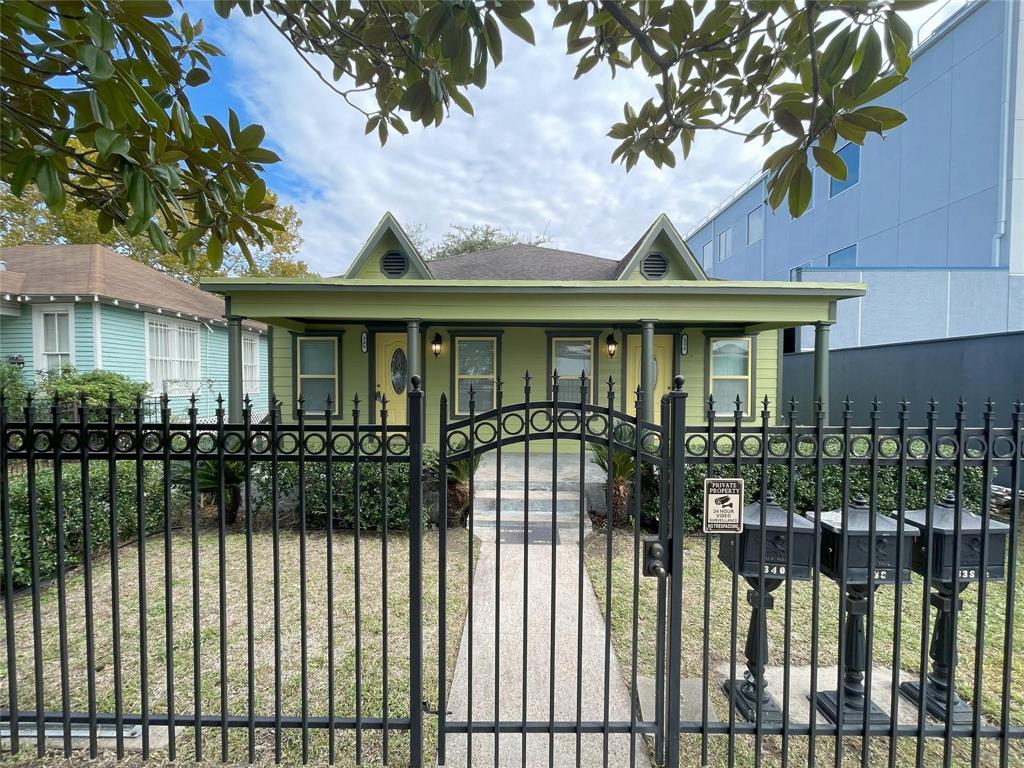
613, 345
435, 344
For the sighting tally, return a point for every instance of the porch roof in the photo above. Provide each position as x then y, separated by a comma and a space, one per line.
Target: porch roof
759, 305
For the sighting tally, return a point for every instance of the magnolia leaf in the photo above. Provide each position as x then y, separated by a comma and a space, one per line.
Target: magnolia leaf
830, 162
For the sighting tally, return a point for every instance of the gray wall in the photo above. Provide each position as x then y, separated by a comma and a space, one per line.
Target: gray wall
972, 367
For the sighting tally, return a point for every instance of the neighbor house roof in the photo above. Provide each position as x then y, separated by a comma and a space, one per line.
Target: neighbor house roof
524, 262
97, 271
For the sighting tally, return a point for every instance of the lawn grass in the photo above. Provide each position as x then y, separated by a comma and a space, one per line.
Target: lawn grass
798, 651
371, 642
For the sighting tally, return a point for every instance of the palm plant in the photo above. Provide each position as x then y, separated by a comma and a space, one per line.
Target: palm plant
208, 481
620, 470
459, 475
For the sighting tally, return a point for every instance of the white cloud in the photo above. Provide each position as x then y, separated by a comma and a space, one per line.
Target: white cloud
535, 157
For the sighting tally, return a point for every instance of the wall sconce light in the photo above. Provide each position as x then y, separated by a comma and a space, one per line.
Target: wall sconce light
16, 360
435, 344
613, 345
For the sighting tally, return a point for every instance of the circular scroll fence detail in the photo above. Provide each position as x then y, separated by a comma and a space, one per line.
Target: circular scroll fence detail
724, 445
485, 432
650, 443
947, 447
259, 443
179, 442
42, 441
975, 447
205, 443
918, 447
69, 441
398, 445
750, 445
860, 446
1003, 447
152, 442
287, 443
833, 446
540, 421
233, 442
512, 424
778, 446
806, 446
597, 425
696, 445
341, 444
124, 442
457, 441
15, 441
314, 444
96, 441
369, 445
624, 433
889, 447
573, 421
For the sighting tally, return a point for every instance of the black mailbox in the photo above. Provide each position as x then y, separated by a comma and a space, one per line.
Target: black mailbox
861, 572
857, 566
952, 569
776, 568
943, 530
776, 522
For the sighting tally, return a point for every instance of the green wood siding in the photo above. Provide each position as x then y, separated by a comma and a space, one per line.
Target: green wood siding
677, 270
123, 337
16, 339
371, 267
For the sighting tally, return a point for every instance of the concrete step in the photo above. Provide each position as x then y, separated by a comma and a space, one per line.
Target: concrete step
539, 484
564, 506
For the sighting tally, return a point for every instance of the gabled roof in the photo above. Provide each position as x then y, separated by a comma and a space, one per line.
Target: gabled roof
94, 270
661, 226
523, 262
388, 223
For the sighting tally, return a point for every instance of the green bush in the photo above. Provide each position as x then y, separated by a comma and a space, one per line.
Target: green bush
99, 506
98, 387
371, 508
12, 385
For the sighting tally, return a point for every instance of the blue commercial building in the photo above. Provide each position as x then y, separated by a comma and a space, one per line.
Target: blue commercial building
931, 217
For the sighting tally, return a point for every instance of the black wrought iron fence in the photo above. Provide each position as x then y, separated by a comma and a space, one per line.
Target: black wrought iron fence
233, 588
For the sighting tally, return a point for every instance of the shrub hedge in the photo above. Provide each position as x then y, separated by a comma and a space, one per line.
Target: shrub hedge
99, 507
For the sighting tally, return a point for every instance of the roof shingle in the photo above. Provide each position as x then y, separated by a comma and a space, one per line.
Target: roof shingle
523, 262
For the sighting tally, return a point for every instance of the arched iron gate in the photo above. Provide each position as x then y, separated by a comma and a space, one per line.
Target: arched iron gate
539, 455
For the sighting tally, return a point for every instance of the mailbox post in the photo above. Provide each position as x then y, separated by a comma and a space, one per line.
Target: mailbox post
744, 551
855, 564
949, 579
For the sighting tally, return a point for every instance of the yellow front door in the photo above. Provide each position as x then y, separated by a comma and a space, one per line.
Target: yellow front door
392, 374
662, 371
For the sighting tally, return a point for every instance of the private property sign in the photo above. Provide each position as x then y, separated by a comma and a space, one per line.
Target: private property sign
723, 505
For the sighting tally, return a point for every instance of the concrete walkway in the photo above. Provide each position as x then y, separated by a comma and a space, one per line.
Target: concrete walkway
504, 651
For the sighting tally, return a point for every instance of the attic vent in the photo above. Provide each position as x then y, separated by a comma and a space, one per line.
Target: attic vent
394, 264
654, 266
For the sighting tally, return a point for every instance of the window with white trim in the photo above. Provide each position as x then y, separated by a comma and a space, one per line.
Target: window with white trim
317, 372
250, 363
54, 329
476, 360
172, 355
730, 372
725, 244
572, 357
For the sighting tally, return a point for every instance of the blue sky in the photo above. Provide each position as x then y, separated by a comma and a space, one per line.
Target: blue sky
534, 159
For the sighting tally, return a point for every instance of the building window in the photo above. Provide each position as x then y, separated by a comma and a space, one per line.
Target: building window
755, 225
725, 244
708, 252
250, 363
572, 357
850, 153
54, 329
476, 366
844, 257
796, 273
317, 372
172, 356
730, 373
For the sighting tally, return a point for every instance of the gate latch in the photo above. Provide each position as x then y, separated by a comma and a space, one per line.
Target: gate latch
655, 557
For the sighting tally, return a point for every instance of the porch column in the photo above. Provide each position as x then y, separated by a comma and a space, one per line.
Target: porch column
412, 343
646, 369
821, 366
235, 391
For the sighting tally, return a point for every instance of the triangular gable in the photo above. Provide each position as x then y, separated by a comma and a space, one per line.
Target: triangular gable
389, 226
662, 232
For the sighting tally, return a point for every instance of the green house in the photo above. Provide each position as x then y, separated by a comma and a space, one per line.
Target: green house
479, 318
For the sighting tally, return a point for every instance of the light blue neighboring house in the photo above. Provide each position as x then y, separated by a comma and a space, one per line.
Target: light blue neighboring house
90, 307
931, 217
